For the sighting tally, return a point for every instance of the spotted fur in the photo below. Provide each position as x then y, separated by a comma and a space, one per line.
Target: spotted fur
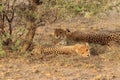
80, 49
103, 38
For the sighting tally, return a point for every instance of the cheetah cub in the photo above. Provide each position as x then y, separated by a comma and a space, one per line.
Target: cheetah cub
79, 49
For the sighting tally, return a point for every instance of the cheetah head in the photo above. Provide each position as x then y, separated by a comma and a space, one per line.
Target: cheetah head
60, 33
82, 49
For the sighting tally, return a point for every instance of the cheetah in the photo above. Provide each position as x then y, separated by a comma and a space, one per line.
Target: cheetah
60, 33
80, 49
60, 36
101, 37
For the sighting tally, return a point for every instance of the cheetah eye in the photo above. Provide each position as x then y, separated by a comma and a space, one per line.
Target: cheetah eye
82, 53
86, 49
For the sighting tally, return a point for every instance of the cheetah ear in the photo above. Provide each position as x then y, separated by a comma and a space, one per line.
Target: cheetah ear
87, 44
67, 30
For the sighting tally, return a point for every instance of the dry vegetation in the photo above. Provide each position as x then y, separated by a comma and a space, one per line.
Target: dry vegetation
25, 23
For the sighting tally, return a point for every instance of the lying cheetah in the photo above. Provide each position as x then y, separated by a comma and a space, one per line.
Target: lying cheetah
103, 38
80, 49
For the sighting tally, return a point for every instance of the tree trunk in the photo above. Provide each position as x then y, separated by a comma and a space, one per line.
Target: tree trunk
31, 30
29, 38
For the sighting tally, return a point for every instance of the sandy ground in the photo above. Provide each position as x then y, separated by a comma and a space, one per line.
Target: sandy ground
103, 65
